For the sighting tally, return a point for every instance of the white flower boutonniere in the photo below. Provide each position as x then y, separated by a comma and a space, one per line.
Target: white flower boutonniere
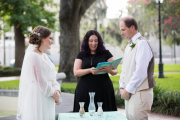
132, 45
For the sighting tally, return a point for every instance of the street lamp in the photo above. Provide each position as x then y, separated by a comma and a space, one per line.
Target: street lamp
173, 33
161, 74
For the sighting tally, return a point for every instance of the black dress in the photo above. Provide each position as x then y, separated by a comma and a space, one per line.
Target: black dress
100, 84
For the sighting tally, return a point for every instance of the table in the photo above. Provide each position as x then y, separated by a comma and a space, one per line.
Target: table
114, 115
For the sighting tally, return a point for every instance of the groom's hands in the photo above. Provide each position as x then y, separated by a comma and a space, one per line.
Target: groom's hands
124, 94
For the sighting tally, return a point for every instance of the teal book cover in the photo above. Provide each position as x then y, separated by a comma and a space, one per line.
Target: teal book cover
114, 63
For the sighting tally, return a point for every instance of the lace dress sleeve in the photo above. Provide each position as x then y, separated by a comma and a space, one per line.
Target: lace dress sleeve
45, 87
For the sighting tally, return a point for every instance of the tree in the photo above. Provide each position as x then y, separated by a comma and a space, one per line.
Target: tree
148, 10
94, 15
71, 12
23, 14
114, 32
97, 12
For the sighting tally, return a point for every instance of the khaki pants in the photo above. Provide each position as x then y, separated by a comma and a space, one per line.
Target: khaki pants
139, 105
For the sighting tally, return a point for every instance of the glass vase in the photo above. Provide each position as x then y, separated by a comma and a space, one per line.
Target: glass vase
81, 110
100, 110
91, 107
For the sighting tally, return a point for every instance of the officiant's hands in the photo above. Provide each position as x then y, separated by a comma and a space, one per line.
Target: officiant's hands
107, 69
124, 94
95, 71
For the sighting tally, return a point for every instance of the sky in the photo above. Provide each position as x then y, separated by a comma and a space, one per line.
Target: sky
114, 6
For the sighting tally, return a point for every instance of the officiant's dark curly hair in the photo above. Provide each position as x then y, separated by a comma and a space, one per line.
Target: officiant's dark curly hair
85, 47
37, 34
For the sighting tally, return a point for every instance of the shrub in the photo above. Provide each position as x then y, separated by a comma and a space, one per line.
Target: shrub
7, 68
9, 71
119, 101
166, 102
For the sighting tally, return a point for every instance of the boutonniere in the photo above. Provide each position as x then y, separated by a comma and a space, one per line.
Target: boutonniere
132, 45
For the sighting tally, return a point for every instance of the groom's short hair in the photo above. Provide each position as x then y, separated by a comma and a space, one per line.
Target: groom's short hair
129, 21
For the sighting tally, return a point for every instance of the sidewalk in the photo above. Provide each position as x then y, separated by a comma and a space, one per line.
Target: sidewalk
9, 78
168, 60
154, 116
67, 106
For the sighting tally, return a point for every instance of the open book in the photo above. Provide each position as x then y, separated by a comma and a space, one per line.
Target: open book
114, 63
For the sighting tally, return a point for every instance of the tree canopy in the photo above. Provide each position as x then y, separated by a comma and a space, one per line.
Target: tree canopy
28, 13
23, 14
148, 11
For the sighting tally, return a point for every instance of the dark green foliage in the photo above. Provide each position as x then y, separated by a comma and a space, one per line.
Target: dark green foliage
28, 13
119, 101
177, 40
25, 14
166, 102
7, 68
9, 71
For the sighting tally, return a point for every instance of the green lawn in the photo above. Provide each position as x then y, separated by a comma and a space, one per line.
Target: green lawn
56, 68
69, 85
167, 68
14, 84
171, 82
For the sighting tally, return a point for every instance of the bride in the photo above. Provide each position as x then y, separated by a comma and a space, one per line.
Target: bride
38, 89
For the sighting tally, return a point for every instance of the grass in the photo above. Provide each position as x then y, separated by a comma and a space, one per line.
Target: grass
14, 84
56, 68
4, 113
69, 85
171, 82
167, 68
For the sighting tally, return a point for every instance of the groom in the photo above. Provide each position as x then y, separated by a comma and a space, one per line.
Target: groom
137, 77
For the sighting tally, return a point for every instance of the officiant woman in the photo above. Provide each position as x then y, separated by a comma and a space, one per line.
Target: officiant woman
92, 52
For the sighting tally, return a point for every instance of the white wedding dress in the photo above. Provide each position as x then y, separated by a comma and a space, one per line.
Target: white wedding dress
37, 85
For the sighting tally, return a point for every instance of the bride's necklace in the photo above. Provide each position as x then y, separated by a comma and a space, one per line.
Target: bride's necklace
92, 58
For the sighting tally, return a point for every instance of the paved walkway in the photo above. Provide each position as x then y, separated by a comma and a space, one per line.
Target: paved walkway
9, 78
67, 106
154, 116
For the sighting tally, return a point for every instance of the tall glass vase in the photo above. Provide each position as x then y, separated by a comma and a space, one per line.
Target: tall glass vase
92, 106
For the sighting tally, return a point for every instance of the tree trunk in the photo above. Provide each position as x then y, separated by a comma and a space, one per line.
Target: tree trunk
19, 46
71, 12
